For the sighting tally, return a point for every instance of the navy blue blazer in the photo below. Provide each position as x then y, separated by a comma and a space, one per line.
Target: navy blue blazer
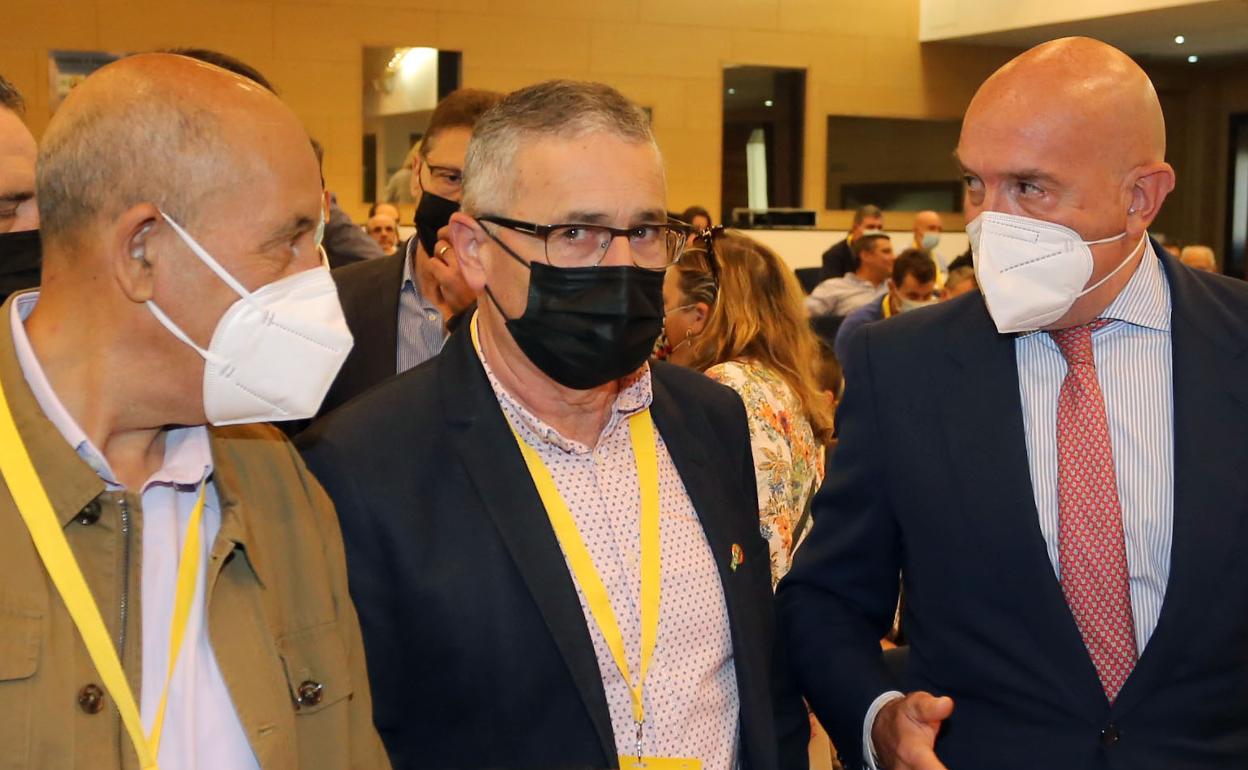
939, 491
478, 651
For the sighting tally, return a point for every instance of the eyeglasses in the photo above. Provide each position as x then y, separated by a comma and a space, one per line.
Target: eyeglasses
653, 246
445, 181
704, 243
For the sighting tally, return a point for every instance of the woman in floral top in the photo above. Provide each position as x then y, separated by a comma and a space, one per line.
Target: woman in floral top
734, 311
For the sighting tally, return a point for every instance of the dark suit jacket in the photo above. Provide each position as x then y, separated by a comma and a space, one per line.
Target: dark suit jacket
838, 260
987, 621
369, 293
476, 643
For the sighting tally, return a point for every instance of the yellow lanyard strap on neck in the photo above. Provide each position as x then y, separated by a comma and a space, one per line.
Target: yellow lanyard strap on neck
645, 455
53, 548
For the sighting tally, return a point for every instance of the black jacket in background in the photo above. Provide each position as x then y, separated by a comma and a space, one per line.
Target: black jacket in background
839, 260
478, 651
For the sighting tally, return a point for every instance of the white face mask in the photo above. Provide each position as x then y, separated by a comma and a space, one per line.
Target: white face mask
931, 240
275, 351
1031, 271
906, 304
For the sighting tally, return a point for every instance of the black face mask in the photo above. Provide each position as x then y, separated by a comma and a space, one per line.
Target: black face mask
432, 214
20, 258
586, 326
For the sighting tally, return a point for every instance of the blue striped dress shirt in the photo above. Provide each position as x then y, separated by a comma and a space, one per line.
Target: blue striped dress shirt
422, 329
1135, 370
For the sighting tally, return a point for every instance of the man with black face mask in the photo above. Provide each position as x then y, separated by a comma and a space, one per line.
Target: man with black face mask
554, 545
19, 218
399, 307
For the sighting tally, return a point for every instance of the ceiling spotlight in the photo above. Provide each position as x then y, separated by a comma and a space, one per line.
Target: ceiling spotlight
1193, 59
732, 92
768, 103
1179, 39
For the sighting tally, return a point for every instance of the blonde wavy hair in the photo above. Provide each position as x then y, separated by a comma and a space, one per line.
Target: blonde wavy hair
756, 315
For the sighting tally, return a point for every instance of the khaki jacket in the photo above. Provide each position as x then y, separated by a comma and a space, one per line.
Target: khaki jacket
279, 615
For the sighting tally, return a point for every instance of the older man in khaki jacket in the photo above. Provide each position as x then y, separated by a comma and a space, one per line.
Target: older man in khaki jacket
170, 591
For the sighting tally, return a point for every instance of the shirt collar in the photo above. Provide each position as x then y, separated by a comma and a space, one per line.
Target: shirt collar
409, 280
188, 454
1145, 300
636, 393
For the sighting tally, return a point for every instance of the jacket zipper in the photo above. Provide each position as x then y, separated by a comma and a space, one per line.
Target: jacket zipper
125, 595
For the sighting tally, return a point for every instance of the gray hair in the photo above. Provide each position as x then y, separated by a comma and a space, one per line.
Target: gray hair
564, 109
869, 210
148, 146
10, 97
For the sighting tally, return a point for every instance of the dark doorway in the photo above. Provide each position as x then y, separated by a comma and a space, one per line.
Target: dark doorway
764, 119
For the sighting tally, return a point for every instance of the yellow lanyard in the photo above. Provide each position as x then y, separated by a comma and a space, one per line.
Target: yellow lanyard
49, 539
886, 308
645, 454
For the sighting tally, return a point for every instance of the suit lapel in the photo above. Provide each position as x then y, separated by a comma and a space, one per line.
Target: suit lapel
373, 317
994, 476
1210, 460
509, 496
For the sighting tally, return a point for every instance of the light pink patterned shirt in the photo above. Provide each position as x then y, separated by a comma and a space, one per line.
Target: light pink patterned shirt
690, 698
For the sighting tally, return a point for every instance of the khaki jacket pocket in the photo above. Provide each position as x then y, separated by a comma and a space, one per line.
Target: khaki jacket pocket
20, 629
317, 672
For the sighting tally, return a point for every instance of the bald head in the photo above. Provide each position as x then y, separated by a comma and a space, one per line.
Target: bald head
1199, 258
926, 222
1071, 132
157, 128
1077, 91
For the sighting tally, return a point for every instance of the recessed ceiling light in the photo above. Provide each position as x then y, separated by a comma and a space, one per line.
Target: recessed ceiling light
1180, 40
1193, 59
732, 92
768, 103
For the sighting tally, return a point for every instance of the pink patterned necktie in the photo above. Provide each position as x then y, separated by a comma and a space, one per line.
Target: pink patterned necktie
1092, 550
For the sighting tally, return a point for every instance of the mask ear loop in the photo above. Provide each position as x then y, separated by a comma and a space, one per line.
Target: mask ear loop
207, 259
1121, 264
176, 331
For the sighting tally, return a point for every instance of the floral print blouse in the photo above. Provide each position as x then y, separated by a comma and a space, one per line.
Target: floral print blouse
788, 461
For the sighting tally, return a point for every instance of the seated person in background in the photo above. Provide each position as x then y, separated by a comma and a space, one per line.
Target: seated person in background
383, 229
505, 505
753, 337
960, 280
19, 216
389, 209
698, 218
928, 228
842, 296
840, 258
1199, 258
912, 286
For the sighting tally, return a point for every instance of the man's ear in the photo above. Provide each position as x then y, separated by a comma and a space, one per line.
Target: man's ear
135, 252
1148, 193
468, 237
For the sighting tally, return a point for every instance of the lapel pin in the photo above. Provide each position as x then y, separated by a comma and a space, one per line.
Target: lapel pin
738, 557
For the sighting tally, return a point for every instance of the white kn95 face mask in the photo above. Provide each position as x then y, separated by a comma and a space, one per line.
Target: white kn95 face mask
1031, 271
275, 351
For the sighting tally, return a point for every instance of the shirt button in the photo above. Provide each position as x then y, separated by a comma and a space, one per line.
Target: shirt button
311, 693
90, 513
1110, 736
91, 699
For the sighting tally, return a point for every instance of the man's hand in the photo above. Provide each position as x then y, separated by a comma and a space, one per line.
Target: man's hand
904, 733
452, 289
